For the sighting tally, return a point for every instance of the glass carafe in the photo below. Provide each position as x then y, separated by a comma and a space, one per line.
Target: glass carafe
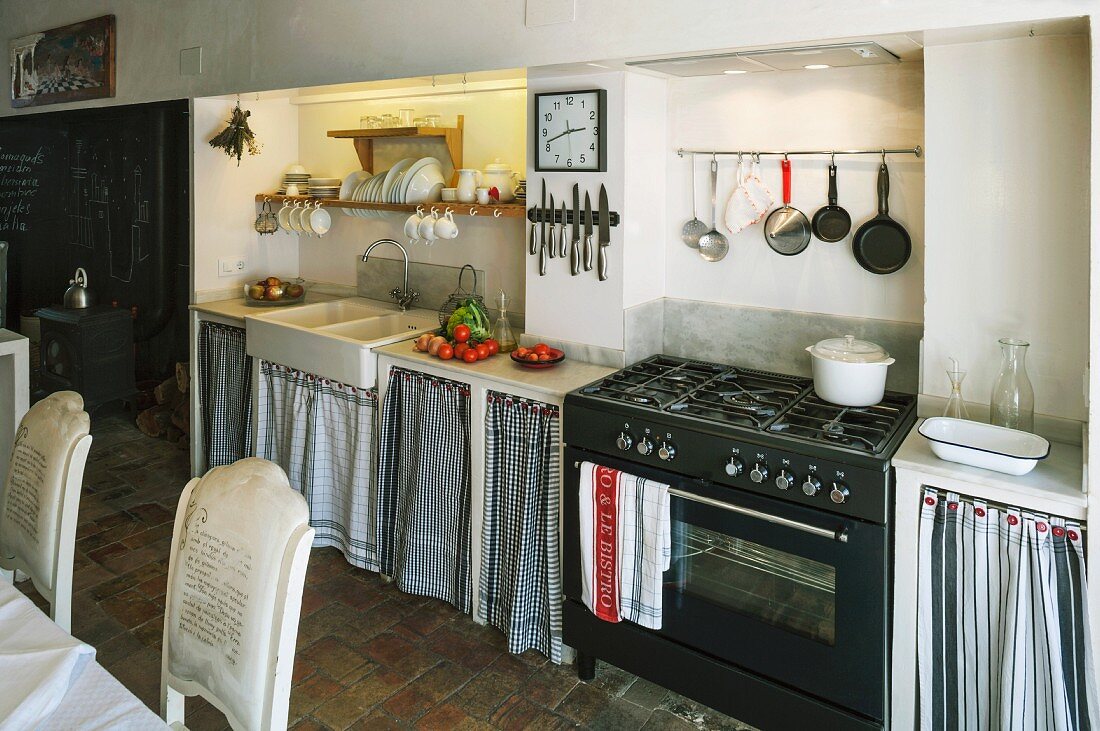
956, 406
502, 331
1013, 401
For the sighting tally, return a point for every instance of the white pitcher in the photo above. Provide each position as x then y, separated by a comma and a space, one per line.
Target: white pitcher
468, 180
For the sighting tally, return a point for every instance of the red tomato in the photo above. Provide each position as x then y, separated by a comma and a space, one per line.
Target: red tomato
522, 352
469, 355
542, 348
544, 356
460, 349
532, 356
445, 352
482, 351
462, 333
494, 346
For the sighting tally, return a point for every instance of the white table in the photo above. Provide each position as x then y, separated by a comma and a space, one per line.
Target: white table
96, 699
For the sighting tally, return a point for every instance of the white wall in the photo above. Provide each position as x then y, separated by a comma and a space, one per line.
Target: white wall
580, 309
223, 194
646, 120
495, 127
1008, 224
853, 108
276, 44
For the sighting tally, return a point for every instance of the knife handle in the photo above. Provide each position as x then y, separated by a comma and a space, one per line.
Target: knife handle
601, 263
588, 253
574, 258
531, 240
553, 238
542, 260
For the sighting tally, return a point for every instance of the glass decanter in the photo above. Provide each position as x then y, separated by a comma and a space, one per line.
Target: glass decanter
502, 331
1013, 401
956, 406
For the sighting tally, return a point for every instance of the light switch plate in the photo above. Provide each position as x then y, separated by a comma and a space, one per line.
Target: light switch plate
191, 61
230, 267
548, 12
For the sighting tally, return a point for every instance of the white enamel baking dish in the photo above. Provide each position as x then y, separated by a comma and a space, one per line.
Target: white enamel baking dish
984, 445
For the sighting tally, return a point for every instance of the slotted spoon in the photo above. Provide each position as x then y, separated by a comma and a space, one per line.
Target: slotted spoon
713, 245
694, 229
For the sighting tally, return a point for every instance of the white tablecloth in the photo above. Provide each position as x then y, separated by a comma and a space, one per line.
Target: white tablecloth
85, 695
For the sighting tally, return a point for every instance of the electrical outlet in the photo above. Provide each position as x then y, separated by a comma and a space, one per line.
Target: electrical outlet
230, 267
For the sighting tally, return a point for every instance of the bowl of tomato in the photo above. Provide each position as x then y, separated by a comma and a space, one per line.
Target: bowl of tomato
539, 356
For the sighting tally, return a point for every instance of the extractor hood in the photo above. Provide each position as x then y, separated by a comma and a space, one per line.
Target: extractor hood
772, 59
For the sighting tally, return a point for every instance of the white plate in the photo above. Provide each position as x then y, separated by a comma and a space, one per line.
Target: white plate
986, 446
351, 182
394, 173
413, 170
424, 183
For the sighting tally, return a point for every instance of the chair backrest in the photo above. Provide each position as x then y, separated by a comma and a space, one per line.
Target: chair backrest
40, 497
239, 552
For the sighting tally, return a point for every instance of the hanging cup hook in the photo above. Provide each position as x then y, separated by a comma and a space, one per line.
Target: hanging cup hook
497, 213
832, 159
473, 211
884, 156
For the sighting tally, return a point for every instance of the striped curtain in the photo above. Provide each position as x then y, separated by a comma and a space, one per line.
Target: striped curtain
1003, 632
225, 387
322, 434
520, 583
424, 486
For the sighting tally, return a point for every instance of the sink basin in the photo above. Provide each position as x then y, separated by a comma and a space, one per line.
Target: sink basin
334, 339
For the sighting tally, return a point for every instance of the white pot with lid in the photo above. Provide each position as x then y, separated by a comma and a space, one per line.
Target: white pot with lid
500, 176
849, 372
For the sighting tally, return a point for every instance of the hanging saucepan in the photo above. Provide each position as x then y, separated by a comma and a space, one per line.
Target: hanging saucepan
831, 223
882, 245
787, 229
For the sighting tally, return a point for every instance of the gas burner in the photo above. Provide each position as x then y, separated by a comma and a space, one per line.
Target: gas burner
867, 428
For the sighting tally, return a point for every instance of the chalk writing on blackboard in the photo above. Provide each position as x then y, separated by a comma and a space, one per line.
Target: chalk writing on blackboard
19, 183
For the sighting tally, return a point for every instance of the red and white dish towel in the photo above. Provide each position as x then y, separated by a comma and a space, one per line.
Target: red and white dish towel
626, 544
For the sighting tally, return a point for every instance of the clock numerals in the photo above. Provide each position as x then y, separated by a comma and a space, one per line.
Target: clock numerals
567, 134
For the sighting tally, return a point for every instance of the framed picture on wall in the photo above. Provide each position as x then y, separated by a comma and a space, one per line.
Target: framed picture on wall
66, 64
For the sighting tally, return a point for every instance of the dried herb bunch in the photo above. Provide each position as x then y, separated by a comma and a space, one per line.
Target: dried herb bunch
234, 138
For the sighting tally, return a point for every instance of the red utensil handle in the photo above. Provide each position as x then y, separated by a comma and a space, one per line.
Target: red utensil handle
786, 165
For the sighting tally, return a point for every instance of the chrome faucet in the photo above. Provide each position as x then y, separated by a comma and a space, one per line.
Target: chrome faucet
404, 295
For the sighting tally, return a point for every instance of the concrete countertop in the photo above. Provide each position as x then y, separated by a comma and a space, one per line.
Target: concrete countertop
237, 308
557, 381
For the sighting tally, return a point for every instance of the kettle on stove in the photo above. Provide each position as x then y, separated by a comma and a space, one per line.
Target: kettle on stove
78, 296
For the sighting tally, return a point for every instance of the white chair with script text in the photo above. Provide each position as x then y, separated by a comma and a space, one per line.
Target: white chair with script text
239, 552
40, 496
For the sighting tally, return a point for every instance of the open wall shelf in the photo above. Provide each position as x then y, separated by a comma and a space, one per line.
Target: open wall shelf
500, 210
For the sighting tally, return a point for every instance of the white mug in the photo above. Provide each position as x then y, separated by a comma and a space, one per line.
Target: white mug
427, 227
412, 224
292, 189
445, 227
319, 220
483, 196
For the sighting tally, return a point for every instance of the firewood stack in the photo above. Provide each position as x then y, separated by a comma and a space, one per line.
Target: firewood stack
171, 416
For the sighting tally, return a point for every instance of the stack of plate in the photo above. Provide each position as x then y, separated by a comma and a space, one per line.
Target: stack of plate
408, 181
324, 187
295, 177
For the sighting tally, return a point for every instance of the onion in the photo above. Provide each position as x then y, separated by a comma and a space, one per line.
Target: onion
422, 342
434, 343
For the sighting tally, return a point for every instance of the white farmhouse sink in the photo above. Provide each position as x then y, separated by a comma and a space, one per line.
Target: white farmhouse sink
333, 339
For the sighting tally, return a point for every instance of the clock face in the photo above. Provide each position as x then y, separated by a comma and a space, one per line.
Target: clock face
569, 131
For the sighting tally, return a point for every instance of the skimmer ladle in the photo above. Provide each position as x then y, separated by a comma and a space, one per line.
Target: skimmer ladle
713, 245
694, 229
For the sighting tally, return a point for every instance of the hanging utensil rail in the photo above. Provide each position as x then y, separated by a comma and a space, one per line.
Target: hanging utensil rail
918, 151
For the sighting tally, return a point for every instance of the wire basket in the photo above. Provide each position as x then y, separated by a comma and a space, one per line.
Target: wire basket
459, 296
266, 222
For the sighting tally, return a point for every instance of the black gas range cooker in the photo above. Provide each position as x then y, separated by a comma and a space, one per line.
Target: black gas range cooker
776, 601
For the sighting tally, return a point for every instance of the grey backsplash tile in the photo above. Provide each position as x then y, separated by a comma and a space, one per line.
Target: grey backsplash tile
643, 330
775, 340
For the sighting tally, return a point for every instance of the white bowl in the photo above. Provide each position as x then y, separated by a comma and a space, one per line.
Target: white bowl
425, 185
986, 446
296, 170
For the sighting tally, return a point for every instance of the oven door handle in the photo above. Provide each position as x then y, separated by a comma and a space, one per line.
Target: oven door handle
840, 534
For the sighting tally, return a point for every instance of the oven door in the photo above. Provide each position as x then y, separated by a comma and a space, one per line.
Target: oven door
792, 594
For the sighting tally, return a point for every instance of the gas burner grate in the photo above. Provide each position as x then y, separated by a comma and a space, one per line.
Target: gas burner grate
867, 429
741, 396
655, 382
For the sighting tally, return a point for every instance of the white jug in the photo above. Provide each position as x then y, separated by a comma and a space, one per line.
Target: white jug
468, 180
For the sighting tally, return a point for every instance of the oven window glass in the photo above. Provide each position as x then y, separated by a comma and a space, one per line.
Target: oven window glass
791, 592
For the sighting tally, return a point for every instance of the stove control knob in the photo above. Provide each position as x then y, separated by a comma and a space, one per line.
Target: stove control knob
785, 480
759, 472
667, 451
839, 493
734, 466
811, 486
625, 441
645, 446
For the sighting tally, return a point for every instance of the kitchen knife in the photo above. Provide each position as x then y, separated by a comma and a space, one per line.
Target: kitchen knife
576, 218
587, 232
604, 235
542, 259
542, 216
553, 228
561, 234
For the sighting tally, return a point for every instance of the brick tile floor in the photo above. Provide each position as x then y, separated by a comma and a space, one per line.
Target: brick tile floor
369, 656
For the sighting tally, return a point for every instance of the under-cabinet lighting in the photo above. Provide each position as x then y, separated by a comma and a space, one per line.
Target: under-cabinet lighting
816, 66
735, 71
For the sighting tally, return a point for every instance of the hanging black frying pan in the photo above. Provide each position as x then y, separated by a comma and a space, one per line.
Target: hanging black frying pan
831, 223
882, 245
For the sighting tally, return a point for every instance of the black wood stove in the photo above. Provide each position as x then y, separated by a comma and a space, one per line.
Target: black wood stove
90, 351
